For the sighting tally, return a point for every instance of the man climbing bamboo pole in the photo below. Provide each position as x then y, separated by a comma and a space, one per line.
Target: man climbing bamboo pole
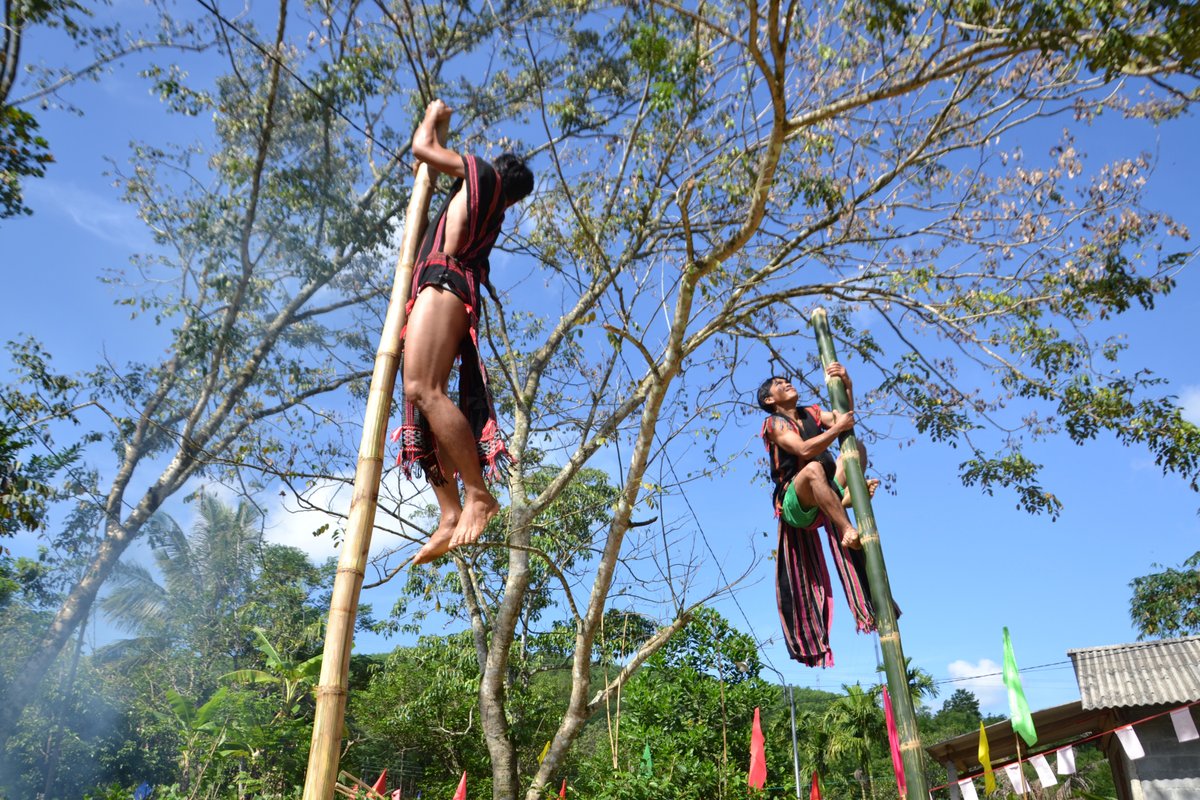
443, 439
441, 308
881, 593
329, 721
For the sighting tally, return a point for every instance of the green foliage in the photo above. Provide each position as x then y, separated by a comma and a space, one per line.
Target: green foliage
1167, 603
29, 461
23, 154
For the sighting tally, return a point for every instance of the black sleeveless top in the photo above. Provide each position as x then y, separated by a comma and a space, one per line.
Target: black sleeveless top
783, 465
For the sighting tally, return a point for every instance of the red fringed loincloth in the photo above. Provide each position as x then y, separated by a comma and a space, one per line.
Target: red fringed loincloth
418, 446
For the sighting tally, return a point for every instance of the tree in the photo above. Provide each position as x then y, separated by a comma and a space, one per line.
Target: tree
24, 152
856, 728
710, 174
1167, 603
262, 280
714, 172
962, 701
206, 581
29, 462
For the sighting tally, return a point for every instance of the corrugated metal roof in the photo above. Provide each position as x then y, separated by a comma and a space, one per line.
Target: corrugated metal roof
1139, 673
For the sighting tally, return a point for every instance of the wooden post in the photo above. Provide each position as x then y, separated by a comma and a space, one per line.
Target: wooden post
881, 592
325, 750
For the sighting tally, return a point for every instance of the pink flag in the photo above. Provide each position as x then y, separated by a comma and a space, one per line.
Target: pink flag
563, 791
380, 786
397, 794
758, 755
461, 794
894, 743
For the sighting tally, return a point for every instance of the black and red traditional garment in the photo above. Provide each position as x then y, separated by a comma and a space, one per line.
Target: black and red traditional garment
462, 273
802, 586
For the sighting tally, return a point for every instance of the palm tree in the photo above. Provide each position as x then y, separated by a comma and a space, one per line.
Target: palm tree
205, 578
921, 685
853, 722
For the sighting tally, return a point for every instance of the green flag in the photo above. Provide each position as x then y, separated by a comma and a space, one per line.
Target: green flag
1022, 720
646, 770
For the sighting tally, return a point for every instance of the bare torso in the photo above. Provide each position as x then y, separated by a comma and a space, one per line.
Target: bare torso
456, 223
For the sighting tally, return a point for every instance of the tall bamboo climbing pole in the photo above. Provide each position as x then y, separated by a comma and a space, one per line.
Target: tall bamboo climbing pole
325, 751
881, 592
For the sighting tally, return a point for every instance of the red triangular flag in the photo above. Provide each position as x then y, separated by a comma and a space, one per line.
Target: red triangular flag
461, 794
380, 786
563, 791
758, 755
894, 743
815, 792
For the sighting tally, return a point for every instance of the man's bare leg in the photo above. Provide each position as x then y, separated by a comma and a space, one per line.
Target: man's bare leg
840, 474
436, 326
813, 489
451, 509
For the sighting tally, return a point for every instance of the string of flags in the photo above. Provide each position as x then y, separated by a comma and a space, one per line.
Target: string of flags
1022, 724
1181, 719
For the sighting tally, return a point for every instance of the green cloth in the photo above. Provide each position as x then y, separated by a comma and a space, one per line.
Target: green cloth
646, 769
1022, 720
795, 514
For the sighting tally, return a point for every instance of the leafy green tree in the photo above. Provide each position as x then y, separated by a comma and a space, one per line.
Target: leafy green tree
293, 678
710, 175
1167, 603
856, 730
265, 273
206, 581
30, 462
692, 703
24, 152
716, 173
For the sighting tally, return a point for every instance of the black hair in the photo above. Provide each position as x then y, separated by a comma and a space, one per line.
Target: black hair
515, 177
764, 391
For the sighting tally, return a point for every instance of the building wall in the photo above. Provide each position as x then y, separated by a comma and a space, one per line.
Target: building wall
1170, 770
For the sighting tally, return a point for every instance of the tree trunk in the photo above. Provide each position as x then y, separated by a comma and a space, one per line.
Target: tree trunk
494, 682
73, 611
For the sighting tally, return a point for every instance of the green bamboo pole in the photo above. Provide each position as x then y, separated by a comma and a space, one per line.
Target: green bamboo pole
881, 592
324, 753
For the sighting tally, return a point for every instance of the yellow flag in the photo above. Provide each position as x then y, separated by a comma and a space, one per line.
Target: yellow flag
985, 758
545, 750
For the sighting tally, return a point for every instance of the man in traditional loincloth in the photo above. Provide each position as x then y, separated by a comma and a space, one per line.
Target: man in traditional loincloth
438, 437
808, 481
809, 494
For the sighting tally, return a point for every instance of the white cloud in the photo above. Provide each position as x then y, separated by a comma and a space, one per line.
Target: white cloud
1189, 399
982, 678
102, 216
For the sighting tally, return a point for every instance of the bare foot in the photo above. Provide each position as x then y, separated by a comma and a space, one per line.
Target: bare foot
478, 509
872, 485
439, 543
850, 539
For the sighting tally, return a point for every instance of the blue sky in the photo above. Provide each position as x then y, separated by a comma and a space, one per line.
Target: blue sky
962, 564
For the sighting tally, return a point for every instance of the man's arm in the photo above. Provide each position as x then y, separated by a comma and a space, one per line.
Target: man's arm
427, 148
788, 438
836, 370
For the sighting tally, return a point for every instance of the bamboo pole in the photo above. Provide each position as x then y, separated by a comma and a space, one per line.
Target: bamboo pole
329, 722
881, 592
